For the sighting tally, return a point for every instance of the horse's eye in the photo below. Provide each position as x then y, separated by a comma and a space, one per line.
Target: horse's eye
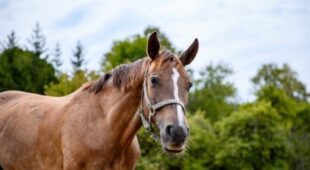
154, 81
189, 86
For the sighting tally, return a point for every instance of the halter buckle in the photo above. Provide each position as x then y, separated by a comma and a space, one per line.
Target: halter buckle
150, 107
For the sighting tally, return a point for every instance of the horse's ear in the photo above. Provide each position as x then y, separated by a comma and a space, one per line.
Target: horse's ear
153, 46
188, 56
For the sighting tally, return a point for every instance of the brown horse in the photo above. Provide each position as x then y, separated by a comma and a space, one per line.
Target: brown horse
95, 127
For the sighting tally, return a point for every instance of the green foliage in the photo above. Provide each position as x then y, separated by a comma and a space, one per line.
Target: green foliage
295, 114
24, 70
212, 93
300, 138
285, 106
67, 84
202, 143
253, 138
151, 153
131, 49
281, 77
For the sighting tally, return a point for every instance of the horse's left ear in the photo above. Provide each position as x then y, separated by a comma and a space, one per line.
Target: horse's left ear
153, 46
188, 56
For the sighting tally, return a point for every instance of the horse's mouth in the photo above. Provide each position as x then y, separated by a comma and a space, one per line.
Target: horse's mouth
173, 150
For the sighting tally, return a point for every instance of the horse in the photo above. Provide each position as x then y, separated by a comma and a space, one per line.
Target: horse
95, 126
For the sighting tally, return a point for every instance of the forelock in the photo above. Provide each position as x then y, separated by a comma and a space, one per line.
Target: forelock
167, 58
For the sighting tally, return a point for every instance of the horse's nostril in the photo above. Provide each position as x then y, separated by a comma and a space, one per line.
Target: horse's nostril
169, 130
179, 134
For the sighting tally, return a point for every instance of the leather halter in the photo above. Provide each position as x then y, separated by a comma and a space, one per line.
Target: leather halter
152, 108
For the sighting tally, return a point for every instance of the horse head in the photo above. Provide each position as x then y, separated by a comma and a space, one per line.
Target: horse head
165, 94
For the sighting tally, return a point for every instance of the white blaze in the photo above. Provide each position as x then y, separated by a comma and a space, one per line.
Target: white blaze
175, 78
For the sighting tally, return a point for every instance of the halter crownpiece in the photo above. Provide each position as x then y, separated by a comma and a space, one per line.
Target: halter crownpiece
153, 107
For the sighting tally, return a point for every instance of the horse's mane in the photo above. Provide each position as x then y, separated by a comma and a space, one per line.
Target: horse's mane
125, 75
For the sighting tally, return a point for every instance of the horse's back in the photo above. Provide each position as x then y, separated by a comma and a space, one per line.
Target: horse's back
20, 105
8, 96
9, 107
24, 118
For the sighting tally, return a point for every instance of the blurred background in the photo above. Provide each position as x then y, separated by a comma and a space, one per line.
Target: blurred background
249, 108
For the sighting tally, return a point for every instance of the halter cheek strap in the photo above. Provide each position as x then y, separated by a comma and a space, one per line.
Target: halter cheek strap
152, 108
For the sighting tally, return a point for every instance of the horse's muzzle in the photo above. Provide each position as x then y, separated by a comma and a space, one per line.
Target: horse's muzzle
174, 138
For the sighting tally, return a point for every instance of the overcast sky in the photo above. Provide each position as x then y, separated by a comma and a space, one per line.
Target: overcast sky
243, 34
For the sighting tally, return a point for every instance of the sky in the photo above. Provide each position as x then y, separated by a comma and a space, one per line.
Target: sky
242, 34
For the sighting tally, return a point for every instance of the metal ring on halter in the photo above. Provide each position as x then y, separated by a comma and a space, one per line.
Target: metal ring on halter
152, 108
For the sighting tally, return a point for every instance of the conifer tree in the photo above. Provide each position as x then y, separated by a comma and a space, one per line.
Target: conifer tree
11, 41
78, 57
56, 56
37, 41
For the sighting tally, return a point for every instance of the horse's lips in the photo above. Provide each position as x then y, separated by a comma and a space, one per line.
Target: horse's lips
173, 150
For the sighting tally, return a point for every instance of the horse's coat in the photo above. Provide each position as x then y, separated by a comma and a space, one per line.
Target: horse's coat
95, 126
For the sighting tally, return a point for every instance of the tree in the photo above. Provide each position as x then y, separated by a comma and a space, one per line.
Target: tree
300, 138
11, 41
37, 41
287, 95
24, 70
282, 77
212, 93
56, 57
132, 48
295, 117
286, 106
253, 138
78, 57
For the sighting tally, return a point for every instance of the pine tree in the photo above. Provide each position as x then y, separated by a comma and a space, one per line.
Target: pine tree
37, 40
78, 57
11, 41
56, 56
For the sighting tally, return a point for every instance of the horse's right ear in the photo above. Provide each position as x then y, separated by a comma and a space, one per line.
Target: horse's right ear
153, 46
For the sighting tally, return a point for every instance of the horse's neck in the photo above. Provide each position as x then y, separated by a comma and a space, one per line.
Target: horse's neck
121, 103
123, 118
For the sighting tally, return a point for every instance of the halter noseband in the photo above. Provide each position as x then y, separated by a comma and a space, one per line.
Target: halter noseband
153, 107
